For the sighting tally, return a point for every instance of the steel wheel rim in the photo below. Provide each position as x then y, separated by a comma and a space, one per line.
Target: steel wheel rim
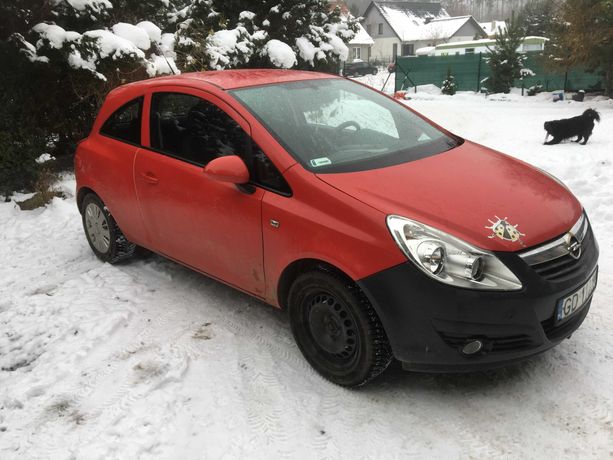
97, 227
332, 328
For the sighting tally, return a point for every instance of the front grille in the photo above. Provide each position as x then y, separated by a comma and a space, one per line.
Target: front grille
553, 262
490, 344
559, 269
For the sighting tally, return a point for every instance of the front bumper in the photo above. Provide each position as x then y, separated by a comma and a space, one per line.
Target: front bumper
428, 322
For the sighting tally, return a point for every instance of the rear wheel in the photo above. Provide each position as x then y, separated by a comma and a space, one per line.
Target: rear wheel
103, 234
337, 329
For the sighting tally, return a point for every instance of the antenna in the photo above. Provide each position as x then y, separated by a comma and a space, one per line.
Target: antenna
157, 46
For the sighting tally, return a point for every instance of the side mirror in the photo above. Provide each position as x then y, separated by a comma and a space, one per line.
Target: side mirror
230, 168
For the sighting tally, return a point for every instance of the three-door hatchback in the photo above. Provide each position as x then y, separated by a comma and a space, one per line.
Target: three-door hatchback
382, 234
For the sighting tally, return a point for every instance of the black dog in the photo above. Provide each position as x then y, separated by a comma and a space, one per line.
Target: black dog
580, 126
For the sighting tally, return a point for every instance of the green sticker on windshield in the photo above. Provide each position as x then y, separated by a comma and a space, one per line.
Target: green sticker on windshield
323, 161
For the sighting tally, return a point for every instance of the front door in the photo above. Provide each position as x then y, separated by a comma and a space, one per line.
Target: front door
211, 226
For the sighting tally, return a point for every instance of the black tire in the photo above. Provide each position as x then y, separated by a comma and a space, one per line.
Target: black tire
113, 247
337, 329
374, 72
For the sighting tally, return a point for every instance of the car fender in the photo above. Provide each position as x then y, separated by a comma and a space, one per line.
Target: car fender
293, 229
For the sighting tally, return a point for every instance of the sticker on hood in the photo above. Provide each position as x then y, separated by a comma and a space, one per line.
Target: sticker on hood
502, 229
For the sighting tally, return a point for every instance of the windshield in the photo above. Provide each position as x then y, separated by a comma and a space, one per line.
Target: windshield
335, 125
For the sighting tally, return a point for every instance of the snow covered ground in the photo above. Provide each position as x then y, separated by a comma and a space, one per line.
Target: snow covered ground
151, 360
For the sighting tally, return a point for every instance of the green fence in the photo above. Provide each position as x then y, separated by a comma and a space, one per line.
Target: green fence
470, 70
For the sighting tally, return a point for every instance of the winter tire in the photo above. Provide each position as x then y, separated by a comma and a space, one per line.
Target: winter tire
337, 329
103, 234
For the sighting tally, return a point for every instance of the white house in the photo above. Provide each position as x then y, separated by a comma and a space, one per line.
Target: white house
360, 45
399, 28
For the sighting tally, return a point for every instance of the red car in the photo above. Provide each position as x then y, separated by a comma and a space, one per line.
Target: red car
383, 235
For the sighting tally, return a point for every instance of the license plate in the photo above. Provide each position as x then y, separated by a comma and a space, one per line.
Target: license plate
574, 302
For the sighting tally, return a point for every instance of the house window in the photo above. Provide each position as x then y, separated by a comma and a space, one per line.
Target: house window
470, 51
408, 50
395, 50
381, 29
368, 29
357, 53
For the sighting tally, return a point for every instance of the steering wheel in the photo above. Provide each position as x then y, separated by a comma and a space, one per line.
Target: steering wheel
347, 124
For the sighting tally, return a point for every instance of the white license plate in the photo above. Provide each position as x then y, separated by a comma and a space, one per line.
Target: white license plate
574, 302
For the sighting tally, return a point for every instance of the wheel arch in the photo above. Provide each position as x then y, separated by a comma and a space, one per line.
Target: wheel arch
81, 194
298, 267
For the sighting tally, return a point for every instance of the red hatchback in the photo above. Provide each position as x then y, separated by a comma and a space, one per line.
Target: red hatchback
382, 234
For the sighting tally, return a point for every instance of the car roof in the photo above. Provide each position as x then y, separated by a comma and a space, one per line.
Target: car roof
238, 78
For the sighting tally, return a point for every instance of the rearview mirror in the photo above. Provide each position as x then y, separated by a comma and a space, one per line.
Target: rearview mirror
230, 168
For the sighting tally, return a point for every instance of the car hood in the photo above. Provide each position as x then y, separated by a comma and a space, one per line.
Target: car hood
465, 192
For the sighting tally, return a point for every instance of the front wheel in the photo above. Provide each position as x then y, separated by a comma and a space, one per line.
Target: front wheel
103, 234
337, 329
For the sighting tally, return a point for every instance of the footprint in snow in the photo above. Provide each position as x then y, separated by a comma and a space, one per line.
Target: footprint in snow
148, 370
203, 332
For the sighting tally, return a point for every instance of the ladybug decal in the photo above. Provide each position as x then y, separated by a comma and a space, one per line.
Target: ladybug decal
502, 229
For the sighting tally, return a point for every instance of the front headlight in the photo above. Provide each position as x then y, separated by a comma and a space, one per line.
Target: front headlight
449, 259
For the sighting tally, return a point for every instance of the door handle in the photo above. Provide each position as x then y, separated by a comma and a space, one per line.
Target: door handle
150, 178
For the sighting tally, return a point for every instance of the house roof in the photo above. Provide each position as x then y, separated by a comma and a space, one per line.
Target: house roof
361, 37
491, 27
442, 28
405, 17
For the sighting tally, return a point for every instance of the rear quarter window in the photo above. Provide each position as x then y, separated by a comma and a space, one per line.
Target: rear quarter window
125, 123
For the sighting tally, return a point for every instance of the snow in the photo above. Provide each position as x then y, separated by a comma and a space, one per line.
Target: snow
94, 5
122, 40
114, 46
306, 49
410, 26
437, 29
43, 158
491, 28
425, 51
153, 32
280, 54
335, 42
55, 34
527, 73
225, 43
161, 65
248, 15
361, 37
148, 359
135, 34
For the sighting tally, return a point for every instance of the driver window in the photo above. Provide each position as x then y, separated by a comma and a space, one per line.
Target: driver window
192, 129
354, 112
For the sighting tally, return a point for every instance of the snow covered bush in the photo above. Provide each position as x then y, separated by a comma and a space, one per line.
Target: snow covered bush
303, 34
70, 53
535, 89
449, 86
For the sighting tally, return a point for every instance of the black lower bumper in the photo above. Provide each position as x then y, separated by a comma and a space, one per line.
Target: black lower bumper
428, 323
